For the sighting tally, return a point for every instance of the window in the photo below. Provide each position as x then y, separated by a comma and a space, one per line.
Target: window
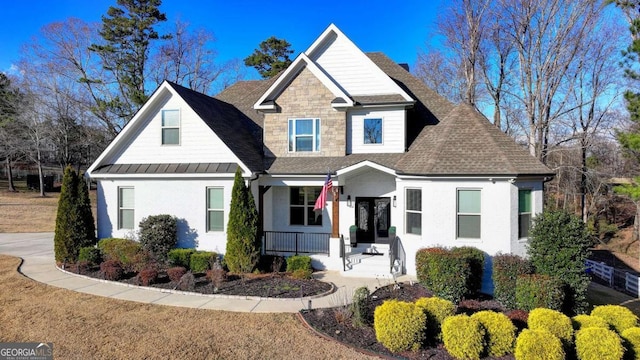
413, 201
302, 200
215, 209
304, 135
524, 213
373, 131
170, 127
125, 208
469, 214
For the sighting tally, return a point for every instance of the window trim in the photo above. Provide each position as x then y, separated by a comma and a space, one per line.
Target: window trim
316, 139
530, 213
210, 209
381, 131
406, 210
458, 214
166, 127
306, 206
121, 207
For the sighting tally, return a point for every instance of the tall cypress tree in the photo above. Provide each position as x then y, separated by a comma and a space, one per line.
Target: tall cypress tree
85, 214
243, 245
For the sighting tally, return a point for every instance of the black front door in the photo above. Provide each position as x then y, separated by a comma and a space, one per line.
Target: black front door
373, 218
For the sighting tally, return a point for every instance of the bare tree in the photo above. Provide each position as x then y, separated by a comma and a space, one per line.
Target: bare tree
441, 73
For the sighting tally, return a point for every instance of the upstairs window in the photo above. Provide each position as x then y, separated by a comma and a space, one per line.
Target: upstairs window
524, 213
302, 201
372, 131
304, 135
170, 127
469, 207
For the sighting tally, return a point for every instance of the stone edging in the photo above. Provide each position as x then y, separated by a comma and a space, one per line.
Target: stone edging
215, 296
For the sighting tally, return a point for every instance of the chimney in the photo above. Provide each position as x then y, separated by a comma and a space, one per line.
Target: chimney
404, 66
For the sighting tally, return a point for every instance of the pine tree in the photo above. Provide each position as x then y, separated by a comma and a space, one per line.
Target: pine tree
243, 245
271, 58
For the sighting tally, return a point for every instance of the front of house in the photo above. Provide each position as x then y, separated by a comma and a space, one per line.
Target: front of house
408, 169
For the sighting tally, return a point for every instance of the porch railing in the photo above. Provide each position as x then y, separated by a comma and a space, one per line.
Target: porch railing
296, 242
397, 256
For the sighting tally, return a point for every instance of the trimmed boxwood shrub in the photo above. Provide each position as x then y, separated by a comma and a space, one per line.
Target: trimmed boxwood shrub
475, 258
175, 273
619, 317
436, 310
533, 344
180, 257
552, 321
361, 307
443, 272
90, 255
534, 291
399, 325
201, 261
298, 262
506, 269
584, 321
596, 343
126, 251
463, 337
500, 332
158, 235
631, 338
111, 270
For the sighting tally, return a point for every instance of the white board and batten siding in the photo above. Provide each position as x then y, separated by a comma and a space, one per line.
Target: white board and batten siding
393, 130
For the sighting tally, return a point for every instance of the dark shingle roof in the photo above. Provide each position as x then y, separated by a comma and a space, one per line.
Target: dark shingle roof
244, 94
183, 168
324, 164
232, 126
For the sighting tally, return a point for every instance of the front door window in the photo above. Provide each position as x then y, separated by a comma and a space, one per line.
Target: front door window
373, 218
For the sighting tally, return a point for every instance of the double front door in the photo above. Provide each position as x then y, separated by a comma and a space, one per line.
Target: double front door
373, 218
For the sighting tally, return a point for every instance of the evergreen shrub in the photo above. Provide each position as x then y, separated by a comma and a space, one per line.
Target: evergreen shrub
243, 245
90, 254
538, 344
475, 258
618, 317
201, 261
597, 343
463, 337
444, 272
158, 235
584, 321
298, 262
436, 309
399, 325
631, 338
126, 251
500, 332
534, 291
180, 257
506, 269
552, 321
361, 307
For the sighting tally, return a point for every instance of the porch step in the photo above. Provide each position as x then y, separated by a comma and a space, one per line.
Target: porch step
363, 262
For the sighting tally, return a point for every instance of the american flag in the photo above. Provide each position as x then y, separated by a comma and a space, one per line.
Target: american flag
322, 199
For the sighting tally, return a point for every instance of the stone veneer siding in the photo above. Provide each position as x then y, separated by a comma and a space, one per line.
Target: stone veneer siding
305, 97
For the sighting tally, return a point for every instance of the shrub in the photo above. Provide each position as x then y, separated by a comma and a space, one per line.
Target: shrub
158, 235
506, 269
518, 318
187, 282
361, 307
243, 245
533, 344
124, 250
552, 321
584, 321
559, 246
436, 310
90, 255
180, 257
475, 258
631, 338
201, 261
399, 325
111, 270
271, 263
500, 332
301, 274
463, 337
175, 273
147, 276
596, 343
298, 262
534, 291
619, 317
217, 276
74, 221
443, 272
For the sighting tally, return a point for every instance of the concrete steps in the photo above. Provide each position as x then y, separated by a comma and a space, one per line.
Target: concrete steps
368, 260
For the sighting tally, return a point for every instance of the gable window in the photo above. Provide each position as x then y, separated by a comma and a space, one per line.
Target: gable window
301, 202
524, 213
468, 214
170, 127
126, 208
373, 131
215, 209
304, 135
413, 211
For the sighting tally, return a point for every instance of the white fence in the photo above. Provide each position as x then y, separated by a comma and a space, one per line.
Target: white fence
631, 284
614, 277
601, 270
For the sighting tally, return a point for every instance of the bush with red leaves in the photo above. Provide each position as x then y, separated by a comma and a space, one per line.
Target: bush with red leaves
148, 276
111, 270
175, 273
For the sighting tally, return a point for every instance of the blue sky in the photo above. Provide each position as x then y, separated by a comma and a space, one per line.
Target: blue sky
398, 28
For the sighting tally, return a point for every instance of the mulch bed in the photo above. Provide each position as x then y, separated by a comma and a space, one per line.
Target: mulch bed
271, 285
334, 322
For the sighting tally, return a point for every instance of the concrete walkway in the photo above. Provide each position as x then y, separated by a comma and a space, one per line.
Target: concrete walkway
36, 250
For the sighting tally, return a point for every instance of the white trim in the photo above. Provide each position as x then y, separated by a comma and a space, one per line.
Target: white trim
163, 127
458, 213
364, 127
366, 163
208, 209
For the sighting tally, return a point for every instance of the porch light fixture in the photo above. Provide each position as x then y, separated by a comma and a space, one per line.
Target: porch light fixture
348, 200
395, 202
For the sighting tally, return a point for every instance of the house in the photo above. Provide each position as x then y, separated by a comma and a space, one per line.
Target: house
409, 169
